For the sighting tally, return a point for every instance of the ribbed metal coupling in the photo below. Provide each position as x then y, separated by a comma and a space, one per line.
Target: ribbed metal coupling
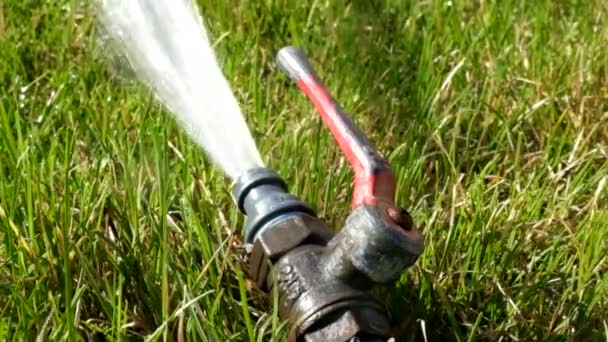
262, 195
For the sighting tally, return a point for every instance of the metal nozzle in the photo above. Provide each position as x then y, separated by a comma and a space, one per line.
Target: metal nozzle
261, 194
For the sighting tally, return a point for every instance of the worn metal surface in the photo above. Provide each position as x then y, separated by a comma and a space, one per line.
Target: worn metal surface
322, 304
355, 324
322, 279
285, 235
375, 245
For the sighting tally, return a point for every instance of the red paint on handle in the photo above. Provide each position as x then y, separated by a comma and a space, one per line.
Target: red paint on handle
374, 179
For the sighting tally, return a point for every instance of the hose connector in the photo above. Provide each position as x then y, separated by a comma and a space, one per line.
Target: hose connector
262, 195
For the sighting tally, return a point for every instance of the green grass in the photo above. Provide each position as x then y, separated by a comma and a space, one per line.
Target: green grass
494, 115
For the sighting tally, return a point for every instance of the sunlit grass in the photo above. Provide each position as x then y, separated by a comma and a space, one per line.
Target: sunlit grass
493, 114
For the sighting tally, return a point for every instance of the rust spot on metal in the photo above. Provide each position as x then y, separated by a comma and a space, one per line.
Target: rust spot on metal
400, 217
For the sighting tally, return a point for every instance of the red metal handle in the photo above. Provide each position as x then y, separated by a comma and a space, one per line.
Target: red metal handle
374, 180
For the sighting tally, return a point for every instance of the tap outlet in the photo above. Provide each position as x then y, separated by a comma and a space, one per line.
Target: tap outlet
322, 279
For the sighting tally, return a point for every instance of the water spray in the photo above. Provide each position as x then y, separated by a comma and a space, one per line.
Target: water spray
323, 279
168, 47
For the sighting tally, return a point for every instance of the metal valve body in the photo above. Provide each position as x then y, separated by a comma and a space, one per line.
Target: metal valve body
322, 278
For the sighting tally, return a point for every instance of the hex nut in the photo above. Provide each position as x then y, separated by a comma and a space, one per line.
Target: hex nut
284, 236
366, 323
